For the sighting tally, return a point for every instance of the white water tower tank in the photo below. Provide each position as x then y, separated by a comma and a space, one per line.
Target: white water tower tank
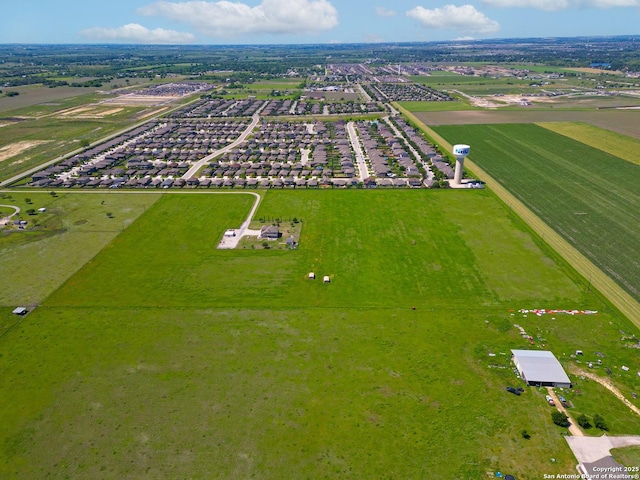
460, 151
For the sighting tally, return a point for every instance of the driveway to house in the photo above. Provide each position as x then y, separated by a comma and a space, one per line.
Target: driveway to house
198, 165
574, 429
592, 449
5, 220
232, 242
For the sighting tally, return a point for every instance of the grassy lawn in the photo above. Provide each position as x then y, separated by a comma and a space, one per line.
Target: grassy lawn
163, 357
628, 456
581, 192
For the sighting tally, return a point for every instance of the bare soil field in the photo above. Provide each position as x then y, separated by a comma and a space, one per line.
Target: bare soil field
626, 122
90, 111
140, 100
17, 148
35, 95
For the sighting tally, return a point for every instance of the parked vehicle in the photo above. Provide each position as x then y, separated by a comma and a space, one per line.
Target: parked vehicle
550, 400
513, 390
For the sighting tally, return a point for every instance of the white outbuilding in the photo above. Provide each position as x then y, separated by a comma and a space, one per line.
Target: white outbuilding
312, 275
326, 279
540, 368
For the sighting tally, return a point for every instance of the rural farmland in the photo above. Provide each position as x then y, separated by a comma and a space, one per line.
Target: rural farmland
588, 196
273, 371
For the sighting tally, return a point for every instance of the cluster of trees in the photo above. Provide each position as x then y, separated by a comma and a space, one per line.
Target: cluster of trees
562, 420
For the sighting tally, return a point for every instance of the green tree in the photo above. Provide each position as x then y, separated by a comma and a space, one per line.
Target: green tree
599, 422
583, 421
560, 419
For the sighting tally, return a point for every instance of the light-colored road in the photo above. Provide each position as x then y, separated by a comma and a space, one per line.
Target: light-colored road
232, 242
592, 449
5, 220
355, 144
200, 163
606, 383
365, 96
574, 429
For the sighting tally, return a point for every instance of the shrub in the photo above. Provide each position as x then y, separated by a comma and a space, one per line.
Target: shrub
525, 435
583, 421
560, 419
599, 422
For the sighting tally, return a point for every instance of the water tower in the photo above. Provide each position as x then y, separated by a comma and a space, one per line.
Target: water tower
460, 151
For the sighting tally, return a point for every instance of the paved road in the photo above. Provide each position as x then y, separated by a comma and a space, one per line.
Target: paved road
416, 154
355, 143
366, 97
200, 163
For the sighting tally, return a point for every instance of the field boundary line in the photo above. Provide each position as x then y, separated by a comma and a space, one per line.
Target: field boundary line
597, 278
632, 143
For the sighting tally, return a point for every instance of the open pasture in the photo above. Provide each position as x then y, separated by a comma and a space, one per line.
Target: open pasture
57, 242
164, 357
588, 196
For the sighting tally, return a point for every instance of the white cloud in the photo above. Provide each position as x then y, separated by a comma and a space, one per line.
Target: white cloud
555, 5
464, 19
384, 12
229, 19
136, 33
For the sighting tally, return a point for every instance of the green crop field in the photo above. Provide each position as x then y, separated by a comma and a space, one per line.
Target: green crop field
611, 142
163, 357
588, 196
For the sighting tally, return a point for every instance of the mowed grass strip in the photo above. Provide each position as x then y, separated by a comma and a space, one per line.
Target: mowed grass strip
587, 196
610, 142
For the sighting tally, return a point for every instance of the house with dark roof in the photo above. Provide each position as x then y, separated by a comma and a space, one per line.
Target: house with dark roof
270, 232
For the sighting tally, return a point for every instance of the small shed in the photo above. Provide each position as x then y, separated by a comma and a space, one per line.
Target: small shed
312, 276
326, 279
20, 311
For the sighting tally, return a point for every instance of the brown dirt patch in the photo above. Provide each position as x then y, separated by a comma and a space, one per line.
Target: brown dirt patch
17, 148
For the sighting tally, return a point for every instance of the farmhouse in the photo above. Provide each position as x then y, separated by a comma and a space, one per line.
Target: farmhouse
270, 232
540, 368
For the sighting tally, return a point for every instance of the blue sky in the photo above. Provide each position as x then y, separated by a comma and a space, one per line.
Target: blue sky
309, 21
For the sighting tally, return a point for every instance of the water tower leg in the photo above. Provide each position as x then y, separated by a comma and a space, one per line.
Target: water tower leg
457, 176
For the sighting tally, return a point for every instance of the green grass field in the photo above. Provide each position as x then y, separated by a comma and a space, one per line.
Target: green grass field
163, 357
588, 196
437, 106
